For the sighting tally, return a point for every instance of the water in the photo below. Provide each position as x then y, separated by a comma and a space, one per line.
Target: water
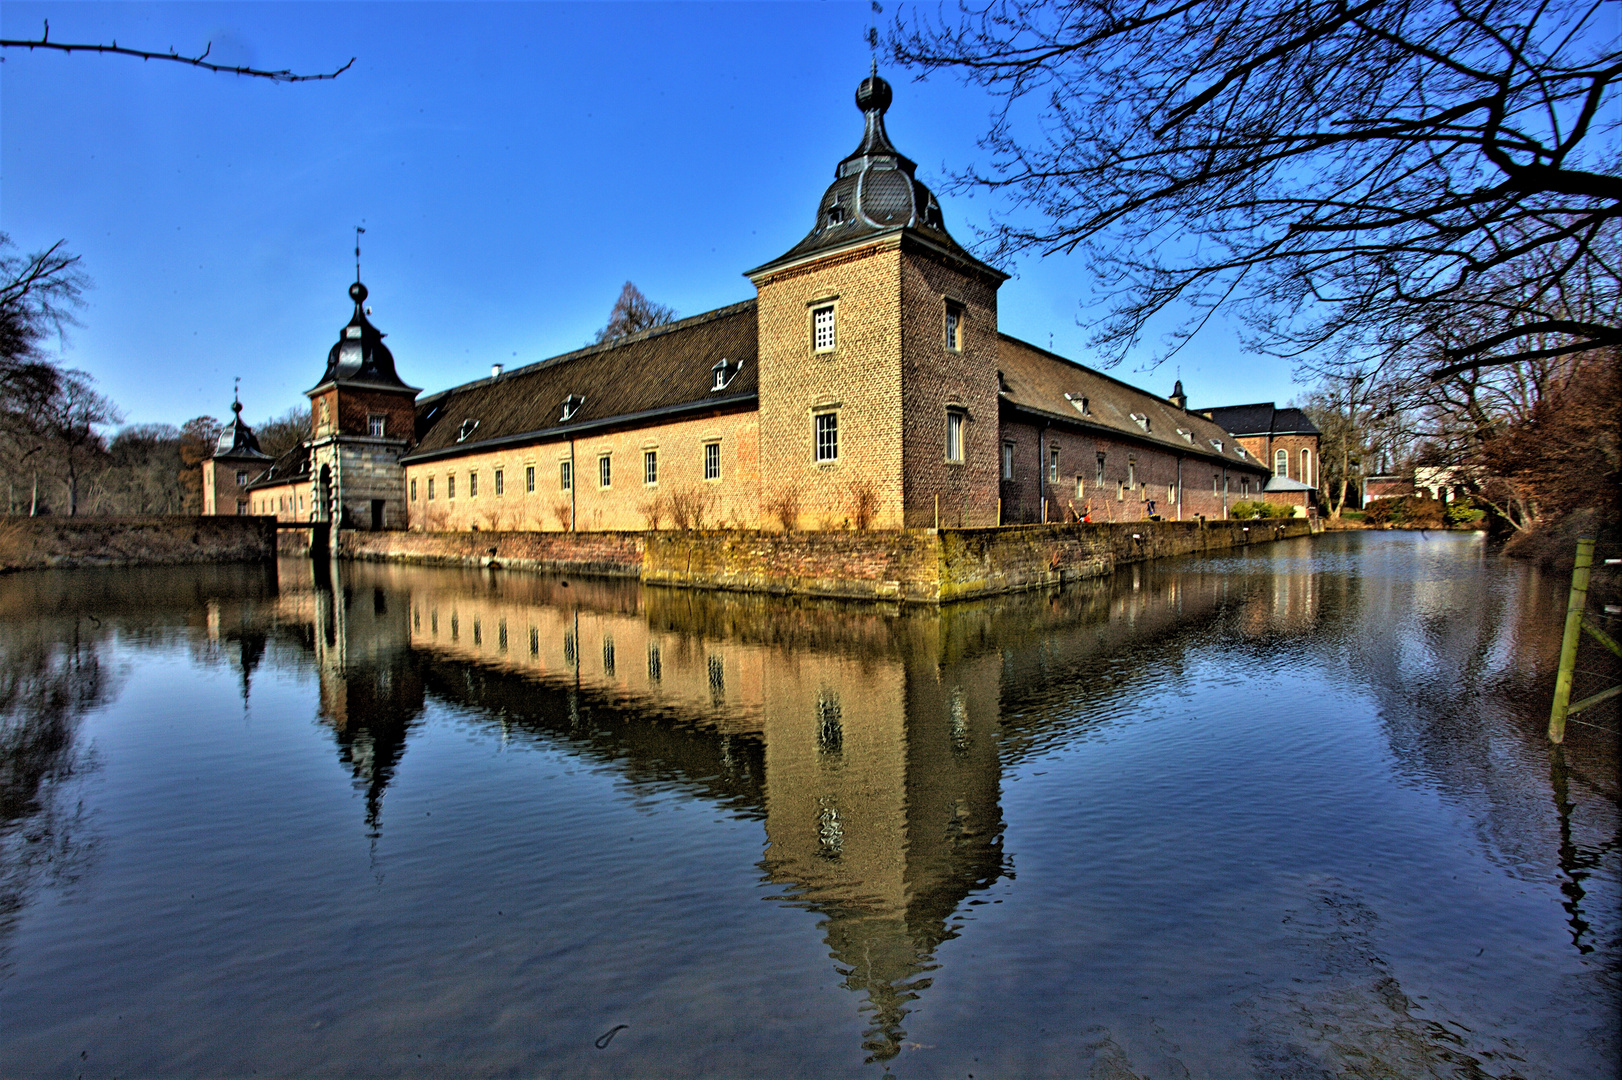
1283, 814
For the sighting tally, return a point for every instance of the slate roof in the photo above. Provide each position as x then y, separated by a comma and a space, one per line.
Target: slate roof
360, 358
1048, 385
875, 193
237, 440
1262, 418
668, 370
292, 467
1284, 483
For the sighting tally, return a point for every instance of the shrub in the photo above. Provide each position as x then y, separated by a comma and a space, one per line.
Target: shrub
1244, 511
1461, 513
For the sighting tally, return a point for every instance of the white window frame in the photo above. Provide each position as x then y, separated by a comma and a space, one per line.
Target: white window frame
824, 328
529, 479
1007, 461
1281, 462
473, 483
825, 436
954, 327
376, 425
605, 471
413, 489
565, 476
500, 483
712, 460
650, 467
1306, 466
956, 419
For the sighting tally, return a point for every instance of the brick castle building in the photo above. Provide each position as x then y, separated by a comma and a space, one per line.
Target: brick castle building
866, 384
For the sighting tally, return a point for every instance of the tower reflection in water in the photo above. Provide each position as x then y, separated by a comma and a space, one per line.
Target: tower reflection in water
869, 741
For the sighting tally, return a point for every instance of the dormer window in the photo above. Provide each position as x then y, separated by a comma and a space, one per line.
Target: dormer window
1141, 420
1218, 444
1079, 402
467, 428
836, 215
571, 405
724, 372
1188, 436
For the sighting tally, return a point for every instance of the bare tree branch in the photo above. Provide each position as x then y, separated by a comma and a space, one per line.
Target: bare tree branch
201, 60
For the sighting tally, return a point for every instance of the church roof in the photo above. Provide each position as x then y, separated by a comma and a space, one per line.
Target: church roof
1262, 418
360, 358
668, 370
875, 193
238, 439
1048, 385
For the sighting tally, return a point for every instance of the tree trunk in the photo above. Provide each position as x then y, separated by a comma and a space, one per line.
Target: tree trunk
33, 505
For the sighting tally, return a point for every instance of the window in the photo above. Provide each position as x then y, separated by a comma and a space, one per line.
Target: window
954, 327
501, 483
1053, 465
827, 436
1098, 476
1131, 474
650, 466
1171, 494
529, 479
712, 461
571, 405
467, 428
1007, 461
830, 725
374, 426
430, 489
242, 507
608, 655
326, 419
1216, 484
1120, 490
1217, 445
1081, 491
1188, 436
822, 328
1306, 466
1281, 463
413, 491
565, 475
605, 471
725, 371
1079, 402
450, 486
656, 669
242, 477
1141, 420
472, 485
954, 436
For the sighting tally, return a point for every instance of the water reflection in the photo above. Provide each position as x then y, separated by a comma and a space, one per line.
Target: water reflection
875, 745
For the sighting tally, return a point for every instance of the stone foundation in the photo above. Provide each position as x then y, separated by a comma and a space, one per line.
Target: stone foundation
41, 542
599, 554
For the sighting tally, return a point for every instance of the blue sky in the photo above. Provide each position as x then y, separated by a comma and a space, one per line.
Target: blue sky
514, 164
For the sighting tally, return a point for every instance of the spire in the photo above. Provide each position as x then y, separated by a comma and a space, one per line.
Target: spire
360, 357
237, 439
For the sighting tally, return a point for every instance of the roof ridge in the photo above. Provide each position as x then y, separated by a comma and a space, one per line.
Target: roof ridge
598, 348
1092, 370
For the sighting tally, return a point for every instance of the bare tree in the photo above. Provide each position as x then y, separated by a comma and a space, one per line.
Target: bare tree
199, 61
38, 293
71, 420
633, 312
1350, 174
282, 433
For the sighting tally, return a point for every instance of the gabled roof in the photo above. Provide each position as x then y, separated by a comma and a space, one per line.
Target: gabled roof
1262, 418
667, 370
292, 467
1048, 385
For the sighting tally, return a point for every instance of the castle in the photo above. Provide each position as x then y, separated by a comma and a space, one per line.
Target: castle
865, 385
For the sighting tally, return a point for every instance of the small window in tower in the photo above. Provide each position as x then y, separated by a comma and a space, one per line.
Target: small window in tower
467, 428
954, 435
1132, 474
650, 466
1007, 461
242, 477
1081, 491
1098, 477
242, 507
712, 461
836, 214
374, 426
827, 436
822, 328
954, 327
1188, 436
605, 471
1217, 444
1053, 465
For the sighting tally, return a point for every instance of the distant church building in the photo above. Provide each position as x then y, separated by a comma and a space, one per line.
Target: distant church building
865, 385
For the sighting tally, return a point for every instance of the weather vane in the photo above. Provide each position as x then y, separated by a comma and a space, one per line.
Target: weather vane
358, 230
873, 36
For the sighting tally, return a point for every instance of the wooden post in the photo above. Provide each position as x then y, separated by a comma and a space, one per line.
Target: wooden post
1568, 642
999, 512
937, 511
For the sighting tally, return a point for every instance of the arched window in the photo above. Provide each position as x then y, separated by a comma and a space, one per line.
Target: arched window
1281, 463
1306, 465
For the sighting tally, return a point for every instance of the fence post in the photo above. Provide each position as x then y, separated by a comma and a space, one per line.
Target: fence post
1568, 642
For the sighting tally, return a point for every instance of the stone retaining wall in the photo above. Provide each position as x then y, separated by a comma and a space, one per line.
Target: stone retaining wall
41, 542
601, 554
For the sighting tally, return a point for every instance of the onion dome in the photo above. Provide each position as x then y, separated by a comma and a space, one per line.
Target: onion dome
875, 191
238, 439
360, 358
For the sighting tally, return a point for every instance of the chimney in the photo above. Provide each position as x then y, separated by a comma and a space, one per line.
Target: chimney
495, 371
1178, 398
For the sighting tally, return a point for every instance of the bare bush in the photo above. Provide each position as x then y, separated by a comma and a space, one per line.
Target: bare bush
688, 507
653, 511
863, 504
563, 512
784, 508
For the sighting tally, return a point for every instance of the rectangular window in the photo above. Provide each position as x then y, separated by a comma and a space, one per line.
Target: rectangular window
1081, 491
1098, 478
822, 328
954, 436
501, 482
1306, 466
1281, 463
472, 485
430, 489
242, 508
827, 436
374, 426
712, 461
1007, 461
1171, 494
1131, 474
1120, 490
605, 471
1053, 465
242, 477
954, 327
529, 479
565, 475
650, 466
1216, 484
413, 491
450, 486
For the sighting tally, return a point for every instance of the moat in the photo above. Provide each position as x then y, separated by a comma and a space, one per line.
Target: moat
1286, 811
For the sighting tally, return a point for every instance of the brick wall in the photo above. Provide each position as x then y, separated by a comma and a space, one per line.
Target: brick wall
604, 554
35, 543
220, 488
1264, 447
628, 503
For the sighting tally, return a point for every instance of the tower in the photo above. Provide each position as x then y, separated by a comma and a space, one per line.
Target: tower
235, 461
878, 354
362, 419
